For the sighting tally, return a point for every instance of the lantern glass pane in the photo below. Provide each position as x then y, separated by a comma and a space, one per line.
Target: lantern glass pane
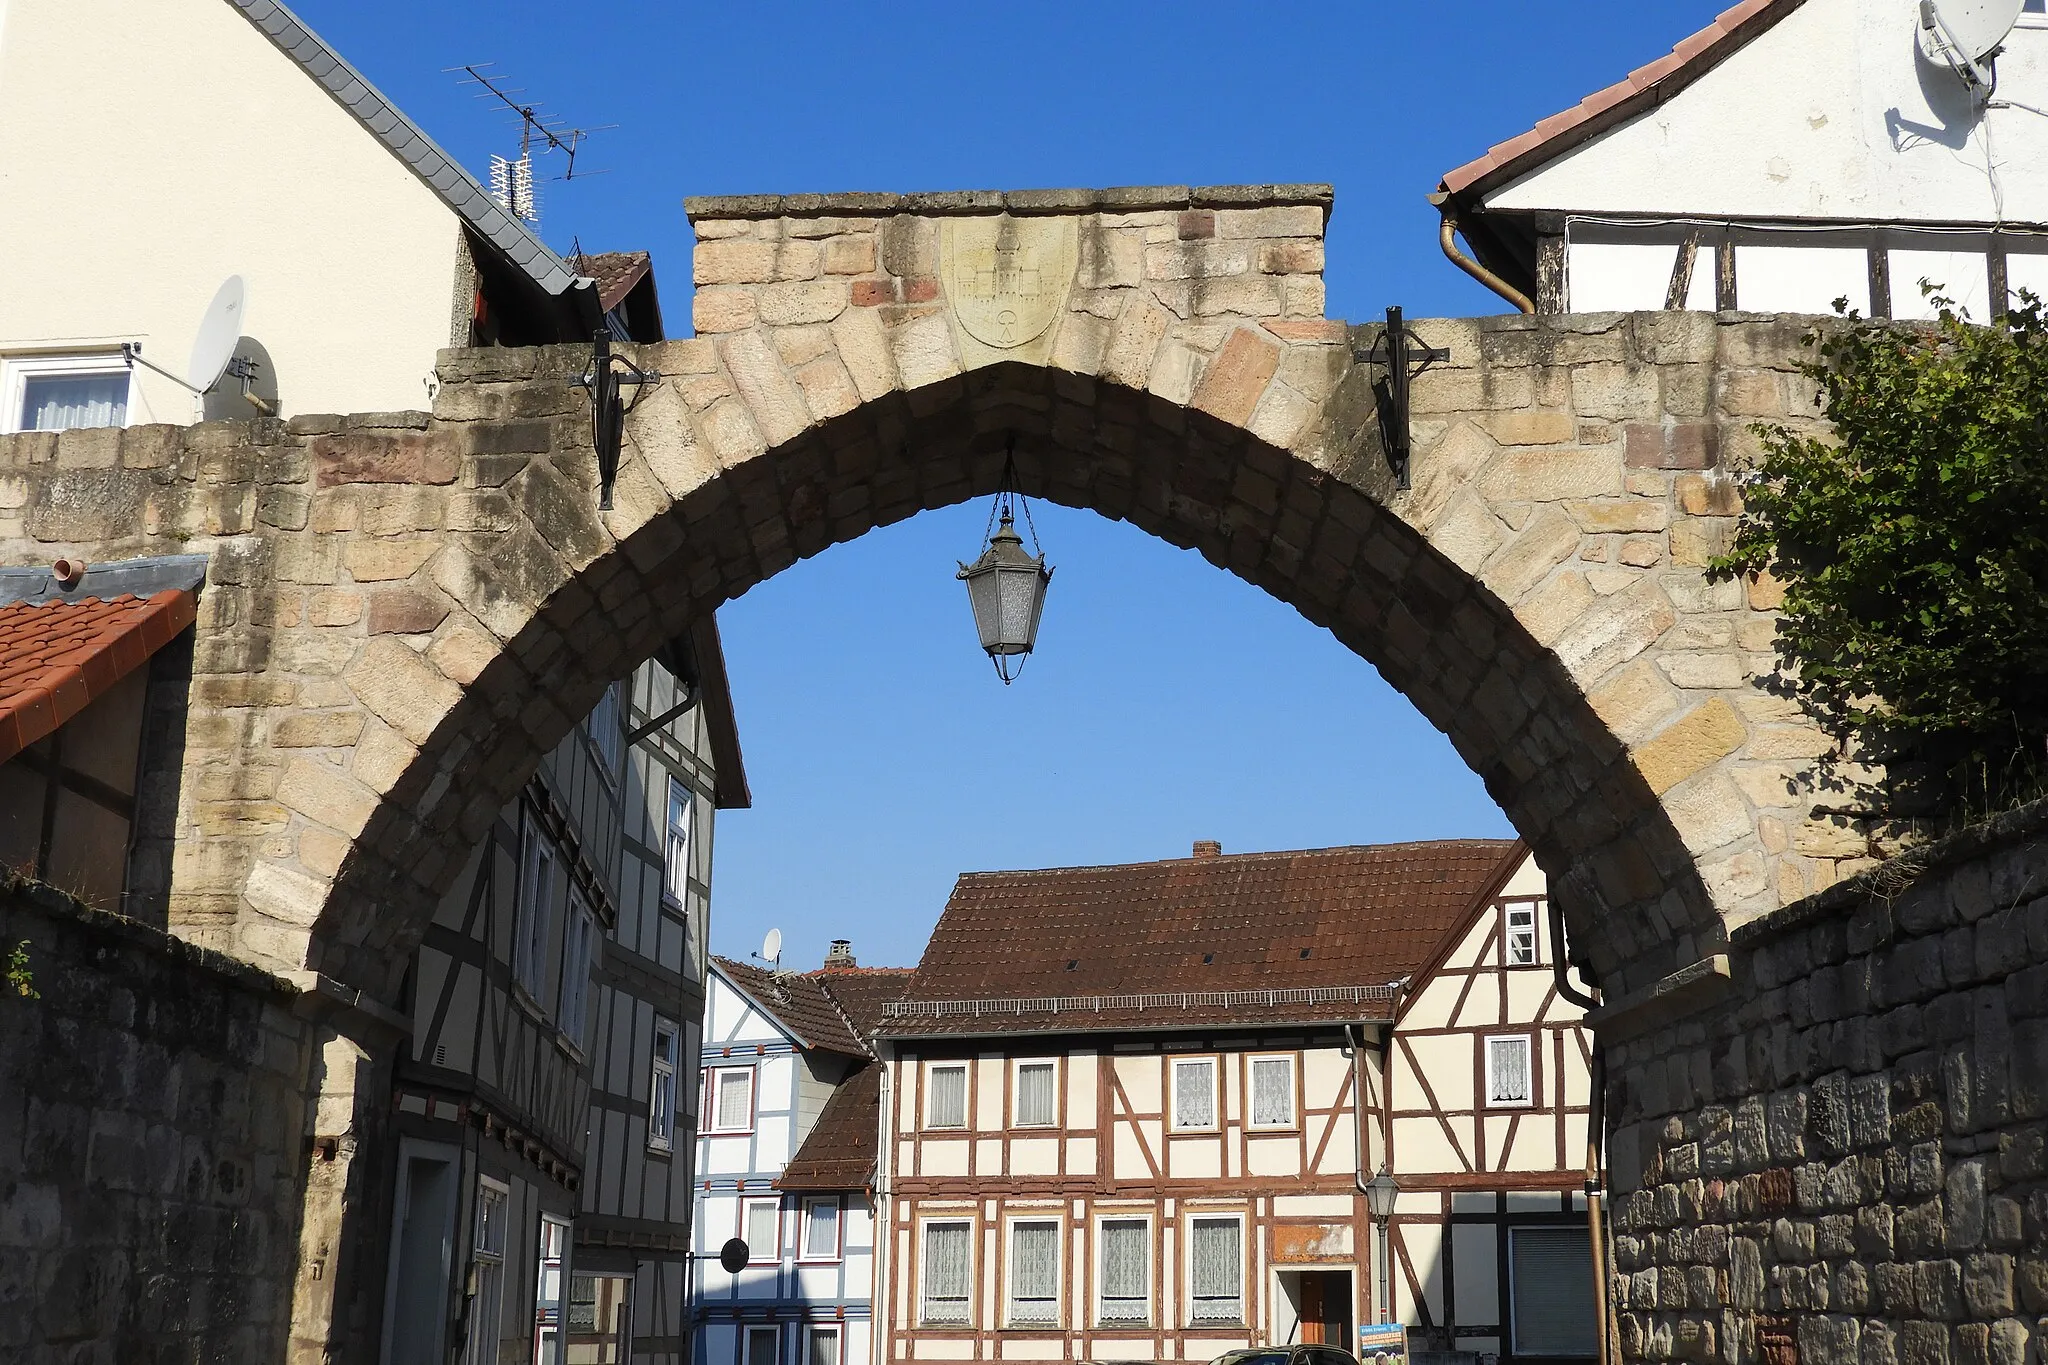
981, 595
1018, 589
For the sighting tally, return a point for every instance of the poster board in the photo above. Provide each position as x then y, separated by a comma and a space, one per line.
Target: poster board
1383, 1343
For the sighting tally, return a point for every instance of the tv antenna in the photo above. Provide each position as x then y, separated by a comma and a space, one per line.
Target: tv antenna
1967, 36
771, 949
512, 181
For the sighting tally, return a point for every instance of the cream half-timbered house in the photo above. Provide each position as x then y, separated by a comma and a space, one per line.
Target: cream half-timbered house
541, 1187
786, 1159
1121, 1110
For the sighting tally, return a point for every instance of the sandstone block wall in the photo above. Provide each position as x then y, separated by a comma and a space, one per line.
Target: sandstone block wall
151, 1155
1844, 1159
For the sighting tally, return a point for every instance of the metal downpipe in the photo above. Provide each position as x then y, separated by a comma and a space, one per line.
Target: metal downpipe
1471, 267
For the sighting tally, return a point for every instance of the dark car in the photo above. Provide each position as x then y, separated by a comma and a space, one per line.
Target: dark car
1286, 1355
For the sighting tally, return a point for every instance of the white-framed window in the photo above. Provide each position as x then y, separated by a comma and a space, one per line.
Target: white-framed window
661, 1088
579, 949
533, 908
1124, 1272
64, 392
607, 738
486, 1305
1034, 1272
822, 1346
763, 1231
1521, 932
682, 824
1037, 1102
821, 1228
764, 1345
553, 1258
1194, 1093
1216, 1268
1509, 1072
945, 1103
1550, 1291
729, 1099
1272, 1081
948, 1272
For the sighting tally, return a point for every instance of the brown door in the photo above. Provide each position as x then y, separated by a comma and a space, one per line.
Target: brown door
1312, 1309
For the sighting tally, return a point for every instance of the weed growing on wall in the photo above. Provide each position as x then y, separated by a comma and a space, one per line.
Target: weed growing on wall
20, 981
1914, 547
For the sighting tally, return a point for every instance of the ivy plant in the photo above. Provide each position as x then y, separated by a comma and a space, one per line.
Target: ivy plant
1913, 544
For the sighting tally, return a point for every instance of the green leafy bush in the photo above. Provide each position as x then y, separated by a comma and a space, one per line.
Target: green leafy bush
20, 981
1914, 548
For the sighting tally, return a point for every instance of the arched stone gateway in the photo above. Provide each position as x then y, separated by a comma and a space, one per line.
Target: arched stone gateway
404, 611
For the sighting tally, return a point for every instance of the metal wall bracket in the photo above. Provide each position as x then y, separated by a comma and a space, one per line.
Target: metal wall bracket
1395, 351
608, 408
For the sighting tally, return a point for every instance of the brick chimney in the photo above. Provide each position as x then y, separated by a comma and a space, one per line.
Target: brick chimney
1207, 848
840, 954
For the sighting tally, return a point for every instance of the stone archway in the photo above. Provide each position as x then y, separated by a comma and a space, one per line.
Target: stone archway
405, 612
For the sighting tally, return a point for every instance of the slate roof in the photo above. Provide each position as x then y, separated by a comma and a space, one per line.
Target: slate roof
799, 1004
839, 1153
57, 657
1201, 939
1641, 90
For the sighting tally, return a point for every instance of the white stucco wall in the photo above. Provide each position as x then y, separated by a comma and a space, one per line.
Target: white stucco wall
153, 149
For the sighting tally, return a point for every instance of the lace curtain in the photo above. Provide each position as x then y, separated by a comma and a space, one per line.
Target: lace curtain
945, 1272
1508, 1061
1272, 1092
735, 1099
821, 1228
1034, 1272
1216, 1262
949, 1097
763, 1226
1035, 1099
1194, 1095
65, 402
1126, 1257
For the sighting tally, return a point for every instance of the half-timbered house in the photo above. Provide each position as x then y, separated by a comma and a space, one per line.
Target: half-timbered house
1130, 1112
786, 1162
541, 1195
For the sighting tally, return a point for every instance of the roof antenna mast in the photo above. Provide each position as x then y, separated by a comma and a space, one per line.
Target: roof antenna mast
512, 182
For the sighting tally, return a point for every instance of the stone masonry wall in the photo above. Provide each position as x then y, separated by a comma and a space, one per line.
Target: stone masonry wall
151, 1151
1844, 1160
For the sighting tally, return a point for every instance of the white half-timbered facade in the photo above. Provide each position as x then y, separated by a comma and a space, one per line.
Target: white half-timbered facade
540, 1194
1122, 1111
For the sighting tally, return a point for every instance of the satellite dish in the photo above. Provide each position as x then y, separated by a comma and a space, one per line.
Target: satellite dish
219, 330
734, 1255
1974, 27
771, 947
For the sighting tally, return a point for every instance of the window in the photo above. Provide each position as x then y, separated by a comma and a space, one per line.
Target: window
487, 1278
730, 1100
823, 1348
60, 393
948, 1256
1550, 1289
764, 1230
1037, 1102
1272, 1092
661, 1096
603, 727
1216, 1269
1521, 935
682, 813
946, 1106
1507, 1071
535, 903
547, 1300
1126, 1273
579, 943
764, 1344
1034, 1272
1194, 1093
821, 1229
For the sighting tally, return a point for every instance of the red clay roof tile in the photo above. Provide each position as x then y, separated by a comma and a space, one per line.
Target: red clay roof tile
56, 658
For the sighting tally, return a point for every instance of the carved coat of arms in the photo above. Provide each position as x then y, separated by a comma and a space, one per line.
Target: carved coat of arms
1007, 278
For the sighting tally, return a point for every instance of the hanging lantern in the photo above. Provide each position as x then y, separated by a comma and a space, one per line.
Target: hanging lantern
1006, 587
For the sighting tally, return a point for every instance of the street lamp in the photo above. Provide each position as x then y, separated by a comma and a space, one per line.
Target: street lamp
1380, 1193
1005, 586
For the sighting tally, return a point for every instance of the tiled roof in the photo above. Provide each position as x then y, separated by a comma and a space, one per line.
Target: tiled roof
839, 1153
863, 993
1643, 88
57, 657
616, 272
1313, 922
799, 1004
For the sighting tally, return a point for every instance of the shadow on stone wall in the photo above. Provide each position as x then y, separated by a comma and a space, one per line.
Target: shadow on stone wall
151, 1143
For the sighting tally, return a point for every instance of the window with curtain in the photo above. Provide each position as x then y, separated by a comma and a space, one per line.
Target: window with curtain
824, 1347
1272, 1092
1507, 1071
1521, 935
676, 859
1126, 1283
947, 1106
1194, 1093
764, 1230
63, 402
1036, 1096
763, 1345
821, 1229
1216, 1269
1035, 1271
732, 1099
946, 1272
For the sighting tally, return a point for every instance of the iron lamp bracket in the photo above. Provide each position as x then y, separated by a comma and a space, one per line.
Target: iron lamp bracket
1403, 355
608, 408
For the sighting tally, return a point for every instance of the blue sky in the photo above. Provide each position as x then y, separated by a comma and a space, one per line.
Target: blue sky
1168, 701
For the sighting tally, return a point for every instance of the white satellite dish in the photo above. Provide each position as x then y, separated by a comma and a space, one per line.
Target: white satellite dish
219, 330
771, 948
1966, 34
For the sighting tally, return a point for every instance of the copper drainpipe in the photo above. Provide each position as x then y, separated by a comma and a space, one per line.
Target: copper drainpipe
1596, 1117
1465, 263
